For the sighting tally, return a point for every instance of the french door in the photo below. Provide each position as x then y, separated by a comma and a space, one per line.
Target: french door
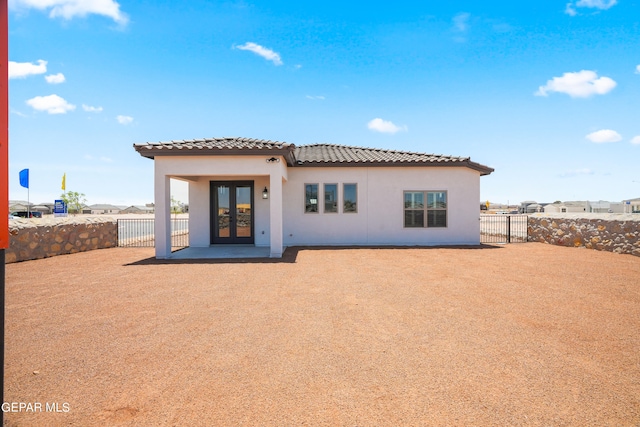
231, 212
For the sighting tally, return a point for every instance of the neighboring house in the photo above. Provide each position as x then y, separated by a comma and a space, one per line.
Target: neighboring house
632, 205
606, 207
273, 194
137, 210
43, 208
567, 207
19, 206
104, 209
524, 206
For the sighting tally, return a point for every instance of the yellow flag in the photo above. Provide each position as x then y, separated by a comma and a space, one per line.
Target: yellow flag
486, 204
64, 182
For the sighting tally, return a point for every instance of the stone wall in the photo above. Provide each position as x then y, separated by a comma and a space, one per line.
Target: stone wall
42, 238
605, 232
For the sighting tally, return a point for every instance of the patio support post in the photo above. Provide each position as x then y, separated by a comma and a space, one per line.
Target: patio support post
275, 214
162, 216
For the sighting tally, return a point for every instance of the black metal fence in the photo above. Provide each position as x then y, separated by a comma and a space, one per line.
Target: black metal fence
503, 228
140, 232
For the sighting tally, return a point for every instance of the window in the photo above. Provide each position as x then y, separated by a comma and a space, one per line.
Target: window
416, 210
350, 198
331, 198
311, 198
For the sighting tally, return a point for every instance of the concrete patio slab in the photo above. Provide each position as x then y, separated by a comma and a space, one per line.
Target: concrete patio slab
221, 252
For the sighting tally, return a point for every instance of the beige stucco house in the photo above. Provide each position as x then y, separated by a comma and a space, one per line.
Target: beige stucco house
567, 207
274, 194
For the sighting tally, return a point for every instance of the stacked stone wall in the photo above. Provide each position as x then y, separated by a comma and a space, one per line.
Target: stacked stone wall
42, 238
618, 233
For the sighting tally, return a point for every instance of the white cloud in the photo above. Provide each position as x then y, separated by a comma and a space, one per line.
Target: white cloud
604, 136
637, 69
124, 120
52, 104
55, 79
106, 159
68, 9
20, 70
461, 21
318, 97
576, 172
461, 26
264, 52
597, 4
582, 84
591, 4
570, 10
90, 109
636, 140
384, 126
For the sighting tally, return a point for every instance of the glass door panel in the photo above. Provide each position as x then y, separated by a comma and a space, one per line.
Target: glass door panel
223, 211
243, 211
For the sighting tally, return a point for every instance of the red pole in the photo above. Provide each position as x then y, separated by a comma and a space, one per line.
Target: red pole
4, 126
4, 173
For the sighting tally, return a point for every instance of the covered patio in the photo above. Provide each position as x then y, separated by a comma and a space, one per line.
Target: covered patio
235, 197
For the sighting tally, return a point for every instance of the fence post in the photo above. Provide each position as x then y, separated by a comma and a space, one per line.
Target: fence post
508, 228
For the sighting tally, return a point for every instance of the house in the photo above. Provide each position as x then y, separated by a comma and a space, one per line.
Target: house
606, 207
137, 210
275, 194
43, 208
632, 205
566, 207
100, 209
528, 206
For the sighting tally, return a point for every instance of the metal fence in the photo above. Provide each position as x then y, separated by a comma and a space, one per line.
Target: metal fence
140, 232
503, 228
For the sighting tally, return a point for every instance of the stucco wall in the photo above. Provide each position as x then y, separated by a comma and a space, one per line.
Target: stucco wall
42, 238
380, 216
606, 232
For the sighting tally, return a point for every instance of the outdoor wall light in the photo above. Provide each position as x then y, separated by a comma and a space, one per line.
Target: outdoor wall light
273, 159
265, 193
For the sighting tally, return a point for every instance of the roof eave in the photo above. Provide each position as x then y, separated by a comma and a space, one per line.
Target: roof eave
484, 170
150, 152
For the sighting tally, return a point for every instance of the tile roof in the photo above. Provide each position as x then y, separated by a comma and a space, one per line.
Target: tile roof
201, 146
306, 155
331, 153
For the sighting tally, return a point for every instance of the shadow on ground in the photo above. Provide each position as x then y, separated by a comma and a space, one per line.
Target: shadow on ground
290, 254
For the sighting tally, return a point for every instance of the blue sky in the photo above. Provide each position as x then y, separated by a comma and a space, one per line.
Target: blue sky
545, 92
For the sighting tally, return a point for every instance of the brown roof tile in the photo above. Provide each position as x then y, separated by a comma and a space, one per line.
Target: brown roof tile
306, 155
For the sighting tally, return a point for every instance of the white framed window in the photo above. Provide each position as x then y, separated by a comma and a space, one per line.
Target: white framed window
350, 198
311, 198
425, 209
330, 198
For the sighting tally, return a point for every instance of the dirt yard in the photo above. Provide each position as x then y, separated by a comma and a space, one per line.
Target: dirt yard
518, 335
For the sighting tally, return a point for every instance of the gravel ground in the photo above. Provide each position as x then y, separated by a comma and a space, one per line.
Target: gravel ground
525, 335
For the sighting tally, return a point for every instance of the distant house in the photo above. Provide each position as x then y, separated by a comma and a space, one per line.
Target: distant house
104, 209
632, 205
606, 207
137, 210
18, 206
273, 194
529, 206
567, 207
44, 208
